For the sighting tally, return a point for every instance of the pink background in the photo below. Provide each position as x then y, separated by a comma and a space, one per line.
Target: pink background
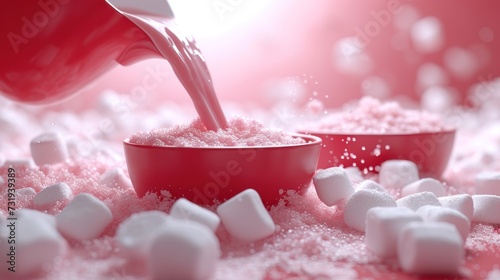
263, 52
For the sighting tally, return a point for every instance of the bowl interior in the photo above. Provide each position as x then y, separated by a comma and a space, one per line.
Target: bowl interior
430, 151
210, 174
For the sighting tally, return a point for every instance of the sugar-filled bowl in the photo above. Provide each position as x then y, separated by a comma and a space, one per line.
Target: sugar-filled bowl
205, 175
430, 151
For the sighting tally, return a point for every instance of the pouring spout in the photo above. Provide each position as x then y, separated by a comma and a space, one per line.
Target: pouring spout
159, 8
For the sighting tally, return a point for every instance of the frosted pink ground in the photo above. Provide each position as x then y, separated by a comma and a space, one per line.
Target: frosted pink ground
372, 116
240, 132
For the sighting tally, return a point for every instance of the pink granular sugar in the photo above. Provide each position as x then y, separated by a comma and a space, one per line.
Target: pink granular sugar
240, 132
372, 116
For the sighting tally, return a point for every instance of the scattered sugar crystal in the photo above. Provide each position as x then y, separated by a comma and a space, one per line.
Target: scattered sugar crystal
240, 132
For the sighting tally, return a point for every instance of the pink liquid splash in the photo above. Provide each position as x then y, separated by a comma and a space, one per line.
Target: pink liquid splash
188, 64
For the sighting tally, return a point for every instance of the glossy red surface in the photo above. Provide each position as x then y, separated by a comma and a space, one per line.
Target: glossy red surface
430, 151
204, 175
53, 48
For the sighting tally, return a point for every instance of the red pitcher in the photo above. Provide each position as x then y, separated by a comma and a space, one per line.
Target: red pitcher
49, 49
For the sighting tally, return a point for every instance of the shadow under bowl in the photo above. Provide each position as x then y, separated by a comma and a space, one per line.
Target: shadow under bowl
205, 175
429, 151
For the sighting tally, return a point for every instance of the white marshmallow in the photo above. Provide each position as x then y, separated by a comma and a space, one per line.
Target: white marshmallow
427, 35
397, 173
245, 217
50, 195
20, 163
424, 185
417, 200
25, 193
383, 225
37, 244
186, 210
370, 185
2, 181
432, 213
360, 202
85, 217
488, 183
459, 202
135, 234
332, 185
47, 218
430, 248
48, 148
486, 208
184, 250
115, 178
354, 174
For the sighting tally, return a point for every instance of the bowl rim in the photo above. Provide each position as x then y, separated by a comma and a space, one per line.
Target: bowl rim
358, 134
311, 140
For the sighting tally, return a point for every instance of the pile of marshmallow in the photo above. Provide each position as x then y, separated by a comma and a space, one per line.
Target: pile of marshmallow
424, 229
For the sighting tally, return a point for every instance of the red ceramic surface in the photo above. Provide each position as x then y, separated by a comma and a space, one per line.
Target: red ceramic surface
52, 48
430, 151
204, 175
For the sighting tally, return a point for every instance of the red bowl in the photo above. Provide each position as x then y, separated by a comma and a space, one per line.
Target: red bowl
430, 151
209, 174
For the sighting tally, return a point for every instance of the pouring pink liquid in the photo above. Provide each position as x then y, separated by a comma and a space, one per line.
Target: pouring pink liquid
53, 48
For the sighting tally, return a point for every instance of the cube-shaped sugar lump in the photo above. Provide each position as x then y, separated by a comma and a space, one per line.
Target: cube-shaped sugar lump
424, 185
488, 183
417, 200
430, 248
332, 185
354, 174
115, 178
48, 148
135, 234
360, 202
460, 202
397, 173
184, 250
432, 213
486, 208
186, 210
37, 244
49, 196
85, 217
245, 217
372, 185
383, 225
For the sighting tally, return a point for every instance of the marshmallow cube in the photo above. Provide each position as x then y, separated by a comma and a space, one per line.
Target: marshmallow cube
136, 234
460, 202
488, 183
430, 248
47, 218
20, 163
184, 250
49, 196
245, 217
186, 210
424, 185
37, 244
397, 173
85, 217
486, 208
371, 185
332, 185
48, 148
417, 200
360, 202
383, 225
115, 178
354, 174
431, 213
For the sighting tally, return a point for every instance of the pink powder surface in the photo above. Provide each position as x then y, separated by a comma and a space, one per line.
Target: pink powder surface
240, 132
372, 116
311, 240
